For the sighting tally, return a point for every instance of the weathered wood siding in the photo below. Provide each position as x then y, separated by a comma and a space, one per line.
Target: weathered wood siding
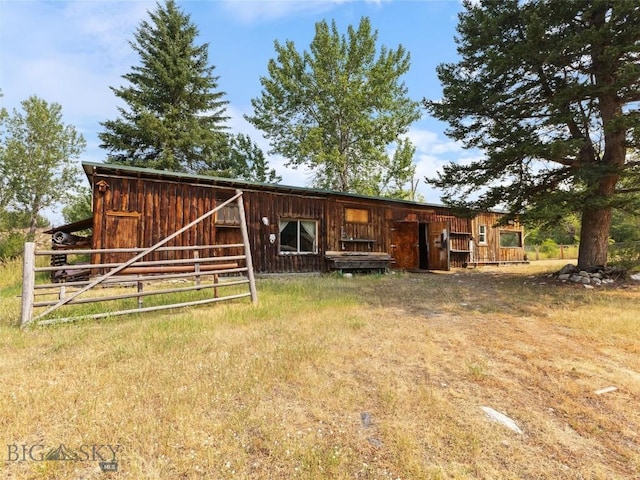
140, 210
136, 212
274, 207
491, 250
377, 234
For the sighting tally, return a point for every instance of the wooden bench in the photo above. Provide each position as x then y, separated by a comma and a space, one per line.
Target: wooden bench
358, 261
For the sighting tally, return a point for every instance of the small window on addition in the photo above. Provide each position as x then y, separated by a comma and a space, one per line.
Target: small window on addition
229, 216
482, 234
356, 215
510, 239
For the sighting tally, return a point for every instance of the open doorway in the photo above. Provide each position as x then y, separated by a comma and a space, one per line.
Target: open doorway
423, 246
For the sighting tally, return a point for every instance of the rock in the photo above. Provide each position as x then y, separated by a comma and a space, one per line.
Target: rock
568, 269
375, 442
502, 419
595, 268
635, 277
593, 276
588, 286
605, 390
365, 417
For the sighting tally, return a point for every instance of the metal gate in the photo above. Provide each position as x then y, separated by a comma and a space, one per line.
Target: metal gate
137, 271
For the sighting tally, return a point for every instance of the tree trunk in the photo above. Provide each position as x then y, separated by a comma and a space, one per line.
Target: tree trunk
594, 238
33, 226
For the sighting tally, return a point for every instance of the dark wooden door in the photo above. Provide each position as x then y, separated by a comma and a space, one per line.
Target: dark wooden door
438, 240
404, 245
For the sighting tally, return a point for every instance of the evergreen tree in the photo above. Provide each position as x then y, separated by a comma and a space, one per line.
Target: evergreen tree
625, 227
174, 119
549, 90
249, 161
243, 159
337, 108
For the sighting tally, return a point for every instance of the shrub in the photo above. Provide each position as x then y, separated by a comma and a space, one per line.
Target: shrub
550, 248
625, 255
11, 246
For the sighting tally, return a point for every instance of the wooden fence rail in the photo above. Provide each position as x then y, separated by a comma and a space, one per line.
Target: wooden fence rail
224, 270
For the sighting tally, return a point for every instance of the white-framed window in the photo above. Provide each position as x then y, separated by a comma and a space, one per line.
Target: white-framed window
298, 236
482, 234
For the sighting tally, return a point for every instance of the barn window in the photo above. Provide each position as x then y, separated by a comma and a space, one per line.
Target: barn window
510, 239
482, 234
298, 236
356, 215
229, 215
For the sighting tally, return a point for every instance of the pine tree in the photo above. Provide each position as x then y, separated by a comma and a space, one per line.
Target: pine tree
175, 116
549, 90
243, 159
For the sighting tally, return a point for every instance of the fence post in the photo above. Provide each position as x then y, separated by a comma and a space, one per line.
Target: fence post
28, 283
140, 288
196, 266
247, 248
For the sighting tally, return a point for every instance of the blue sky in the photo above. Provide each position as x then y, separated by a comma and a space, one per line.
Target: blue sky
71, 52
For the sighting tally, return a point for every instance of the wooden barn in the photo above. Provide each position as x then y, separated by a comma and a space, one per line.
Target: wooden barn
290, 229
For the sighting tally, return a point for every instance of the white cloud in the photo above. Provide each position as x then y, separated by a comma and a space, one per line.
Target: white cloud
74, 51
253, 11
433, 152
431, 143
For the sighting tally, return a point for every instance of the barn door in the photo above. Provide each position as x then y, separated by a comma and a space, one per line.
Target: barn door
404, 245
438, 240
123, 228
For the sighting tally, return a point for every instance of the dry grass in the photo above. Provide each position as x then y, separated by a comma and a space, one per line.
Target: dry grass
367, 377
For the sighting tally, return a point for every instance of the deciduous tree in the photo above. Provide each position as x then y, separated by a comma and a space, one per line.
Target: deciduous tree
38, 155
337, 108
78, 207
549, 91
5, 192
